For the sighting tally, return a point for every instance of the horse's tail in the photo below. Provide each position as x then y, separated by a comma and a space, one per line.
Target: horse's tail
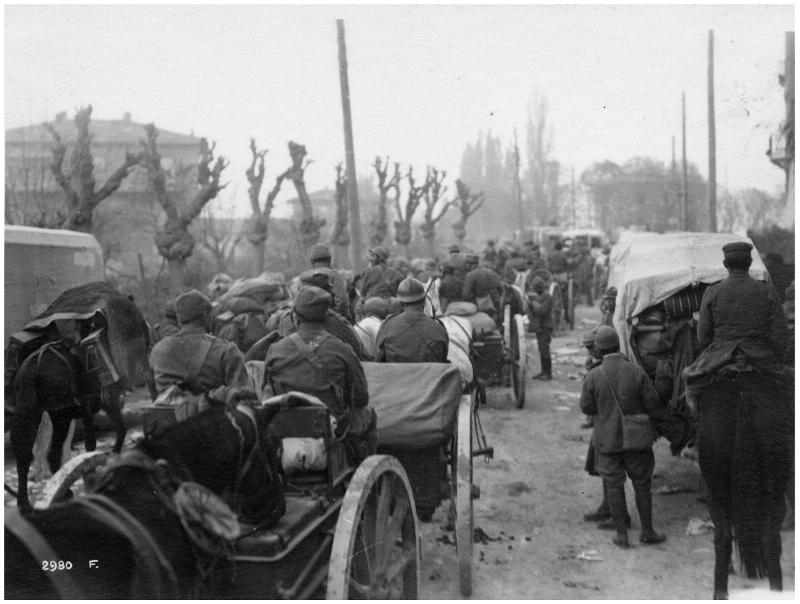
761, 466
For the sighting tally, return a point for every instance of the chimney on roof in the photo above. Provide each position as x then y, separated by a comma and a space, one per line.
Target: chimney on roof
61, 116
126, 117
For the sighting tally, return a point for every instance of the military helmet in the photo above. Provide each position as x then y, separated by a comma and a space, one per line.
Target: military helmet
606, 338
410, 290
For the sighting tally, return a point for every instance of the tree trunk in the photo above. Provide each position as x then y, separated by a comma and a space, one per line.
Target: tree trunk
258, 261
404, 250
177, 275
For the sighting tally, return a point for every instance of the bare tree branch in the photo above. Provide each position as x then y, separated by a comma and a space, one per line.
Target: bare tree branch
255, 176
56, 166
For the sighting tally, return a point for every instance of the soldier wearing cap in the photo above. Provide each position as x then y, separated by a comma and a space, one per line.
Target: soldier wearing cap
194, 354
379, 280
740, 314
458, 259
169, 326
312, 361
608, 305
285, 321
451, 286
321, 258
541, 323
618, 387
482, 286
411, 336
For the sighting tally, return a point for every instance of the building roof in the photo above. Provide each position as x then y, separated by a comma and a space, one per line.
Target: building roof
123, 132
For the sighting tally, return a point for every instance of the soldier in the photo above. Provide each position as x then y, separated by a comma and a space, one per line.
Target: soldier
169, 326
433, 305
614, 388
285, 320
608, 305
411, 336
375, 311
489, 254
321, 258
541, 323
482, 286
193, 354
379, 280
458, 260
451, 287
312, 361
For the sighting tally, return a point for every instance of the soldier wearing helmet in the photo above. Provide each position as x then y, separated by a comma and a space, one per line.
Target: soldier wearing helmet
411, 336
615, 388
379, 280
321, 258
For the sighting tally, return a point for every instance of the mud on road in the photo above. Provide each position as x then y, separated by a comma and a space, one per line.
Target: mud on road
534, 495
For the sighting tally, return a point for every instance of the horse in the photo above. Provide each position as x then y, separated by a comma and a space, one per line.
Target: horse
54, 379
130, 538
745, 447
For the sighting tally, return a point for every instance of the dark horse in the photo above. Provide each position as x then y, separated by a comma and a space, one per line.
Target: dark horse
53, 379
127, 538
745, 445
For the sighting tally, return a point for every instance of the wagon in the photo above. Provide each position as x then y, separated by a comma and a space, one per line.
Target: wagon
348, 532
432, 427
660, 280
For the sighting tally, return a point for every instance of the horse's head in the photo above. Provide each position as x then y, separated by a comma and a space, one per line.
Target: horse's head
232, 452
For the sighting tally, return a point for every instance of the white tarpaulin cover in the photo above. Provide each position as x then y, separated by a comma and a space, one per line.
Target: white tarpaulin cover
648, 268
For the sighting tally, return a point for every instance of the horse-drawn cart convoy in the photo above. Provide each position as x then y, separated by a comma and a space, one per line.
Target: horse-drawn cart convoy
258, 491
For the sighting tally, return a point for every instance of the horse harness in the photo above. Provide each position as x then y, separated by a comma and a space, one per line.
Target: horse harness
53, 347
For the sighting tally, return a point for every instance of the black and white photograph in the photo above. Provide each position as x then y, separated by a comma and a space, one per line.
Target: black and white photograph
399, 301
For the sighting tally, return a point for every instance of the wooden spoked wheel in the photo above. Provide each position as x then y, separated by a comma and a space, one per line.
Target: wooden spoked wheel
463, 494
518, 360
375, 553
71, 472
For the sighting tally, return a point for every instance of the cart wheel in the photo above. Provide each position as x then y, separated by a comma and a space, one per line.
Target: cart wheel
463, 487
71, 472
375, 552
571, 302
519, 359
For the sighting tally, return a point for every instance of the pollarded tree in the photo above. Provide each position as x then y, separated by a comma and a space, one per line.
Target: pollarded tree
433, 193
309, 224
402, 226
340, 236
78, 184
257, 227
468, 204
174, 241
380, 224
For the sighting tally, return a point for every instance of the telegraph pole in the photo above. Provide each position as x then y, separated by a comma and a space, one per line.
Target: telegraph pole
354, 214
517, 186
712, 139
685, 216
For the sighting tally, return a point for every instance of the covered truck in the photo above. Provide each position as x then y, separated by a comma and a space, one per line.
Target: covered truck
660, 280
42, 263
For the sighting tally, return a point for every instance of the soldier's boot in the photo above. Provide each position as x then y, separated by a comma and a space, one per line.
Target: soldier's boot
603, 511
619, 510
547, 369
644, 504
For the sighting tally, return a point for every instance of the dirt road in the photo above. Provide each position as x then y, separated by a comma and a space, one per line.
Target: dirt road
535, 492
533, 497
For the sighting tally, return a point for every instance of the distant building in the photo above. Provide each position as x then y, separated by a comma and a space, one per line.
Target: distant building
125, 222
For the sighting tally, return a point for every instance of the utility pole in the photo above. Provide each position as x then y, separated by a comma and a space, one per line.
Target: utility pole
685, 213
517, 186
712, 139
354, 214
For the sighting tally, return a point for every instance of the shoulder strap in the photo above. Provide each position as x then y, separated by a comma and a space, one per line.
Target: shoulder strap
198, 360
614, 394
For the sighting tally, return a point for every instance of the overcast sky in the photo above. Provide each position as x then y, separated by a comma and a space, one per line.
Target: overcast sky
424, 80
